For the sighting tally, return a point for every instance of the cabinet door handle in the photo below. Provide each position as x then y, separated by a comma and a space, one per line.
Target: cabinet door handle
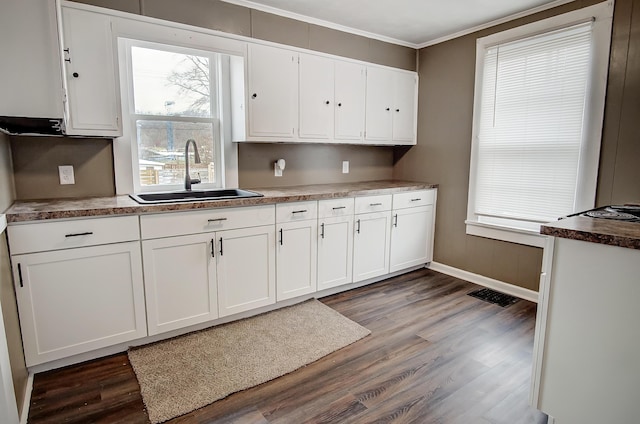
388, 109
322, 230
327, 102
375, 204
88, 233
220, 246
397, 110
339, 207
281, 237
20, 275
339, 104
416, 199
395, 220
300, 211
213, 249
67, 58
358, 229
254, 95
216, 219
75, 75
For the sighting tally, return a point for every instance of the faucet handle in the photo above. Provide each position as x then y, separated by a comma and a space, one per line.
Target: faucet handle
196, 180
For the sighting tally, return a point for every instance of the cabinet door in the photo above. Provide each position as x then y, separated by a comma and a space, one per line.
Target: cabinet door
335, 251
76, 300
90, 76
272, 91
296, 255
404, 108
371, 245
180, 281
349, 97
410, 237
316, 97
246, 269
379, 102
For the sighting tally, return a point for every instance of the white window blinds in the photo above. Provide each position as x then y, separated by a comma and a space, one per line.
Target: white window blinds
532, 107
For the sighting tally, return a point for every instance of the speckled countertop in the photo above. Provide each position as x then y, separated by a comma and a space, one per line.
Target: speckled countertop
22, 211
595, 230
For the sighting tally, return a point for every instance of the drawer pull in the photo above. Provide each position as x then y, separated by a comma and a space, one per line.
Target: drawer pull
220, 246
395, 220
88, 233
339, 207
281, 238
213, 249
301, 211
216, 219
375, 204
358, 230
20, 275
322, 230
416, 199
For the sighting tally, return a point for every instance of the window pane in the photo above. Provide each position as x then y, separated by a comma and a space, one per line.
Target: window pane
161, 151
168, 83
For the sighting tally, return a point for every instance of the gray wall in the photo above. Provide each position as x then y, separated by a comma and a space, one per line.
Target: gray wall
7, 294
444, 143
37, 159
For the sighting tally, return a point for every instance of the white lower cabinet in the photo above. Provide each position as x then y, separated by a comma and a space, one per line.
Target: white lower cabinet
180, 281
76, 300
226, 266
296, 249
335, 243
371, 245
246, 269
412, 229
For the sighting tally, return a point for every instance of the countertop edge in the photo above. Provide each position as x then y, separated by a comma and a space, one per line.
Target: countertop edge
591, 236
31, 211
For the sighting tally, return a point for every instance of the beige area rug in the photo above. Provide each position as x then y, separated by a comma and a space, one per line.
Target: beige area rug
188, 372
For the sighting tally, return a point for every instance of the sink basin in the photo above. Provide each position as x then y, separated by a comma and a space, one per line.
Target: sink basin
193, 196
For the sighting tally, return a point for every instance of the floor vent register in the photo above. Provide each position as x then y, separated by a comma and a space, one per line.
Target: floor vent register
493, 296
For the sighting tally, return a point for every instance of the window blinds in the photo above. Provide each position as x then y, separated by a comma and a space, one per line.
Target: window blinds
533, 97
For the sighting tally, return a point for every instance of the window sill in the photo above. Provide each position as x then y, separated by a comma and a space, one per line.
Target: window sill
512, 235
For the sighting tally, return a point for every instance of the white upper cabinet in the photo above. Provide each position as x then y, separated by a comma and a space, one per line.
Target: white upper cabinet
30, 80
92, 104
405, 98
349, 101
391, 106
273, 93
379, 104
316, 97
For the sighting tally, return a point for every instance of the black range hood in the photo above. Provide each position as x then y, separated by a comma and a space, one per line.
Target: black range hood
19, 125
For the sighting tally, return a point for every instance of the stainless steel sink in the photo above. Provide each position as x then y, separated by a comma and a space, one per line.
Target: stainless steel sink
193, 196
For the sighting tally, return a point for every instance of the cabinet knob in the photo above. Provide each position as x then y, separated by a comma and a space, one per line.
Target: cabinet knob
387, 109
327, 102
75, 75
254, 95
339, 104
397, 110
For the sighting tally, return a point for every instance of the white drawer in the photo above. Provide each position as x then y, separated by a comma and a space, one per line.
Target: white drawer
54, 235
368, 204
183, 223
297, 211
335, 207
415, 198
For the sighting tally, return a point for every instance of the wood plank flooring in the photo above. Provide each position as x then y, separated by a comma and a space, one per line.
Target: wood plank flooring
435, 355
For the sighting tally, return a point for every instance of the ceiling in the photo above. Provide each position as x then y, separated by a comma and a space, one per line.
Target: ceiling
412, 23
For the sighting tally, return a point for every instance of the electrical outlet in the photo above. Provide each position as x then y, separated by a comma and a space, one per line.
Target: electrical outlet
345, 166
277, 171
66, 174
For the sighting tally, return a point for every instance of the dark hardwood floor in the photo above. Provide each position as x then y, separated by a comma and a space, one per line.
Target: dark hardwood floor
435, 355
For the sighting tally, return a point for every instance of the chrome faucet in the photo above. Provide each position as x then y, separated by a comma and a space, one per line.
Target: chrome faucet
187, 178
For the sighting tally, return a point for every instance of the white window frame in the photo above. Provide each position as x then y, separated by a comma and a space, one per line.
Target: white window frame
130, 116
602, 15
234, 55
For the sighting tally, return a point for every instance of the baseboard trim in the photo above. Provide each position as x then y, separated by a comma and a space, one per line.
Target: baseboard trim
26, 402
491, 283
